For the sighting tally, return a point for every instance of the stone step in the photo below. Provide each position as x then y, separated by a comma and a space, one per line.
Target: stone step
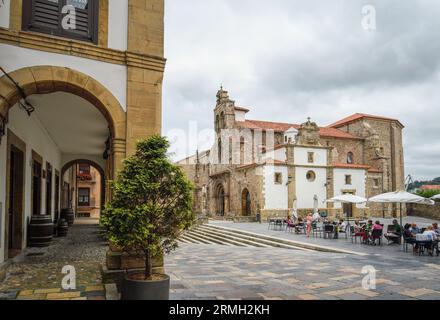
202, 236
226, 239
190, 239
227, 236
260, 241
198, 239
291, 243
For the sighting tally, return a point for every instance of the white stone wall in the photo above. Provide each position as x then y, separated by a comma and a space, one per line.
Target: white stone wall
32, 132
306, 190
5, 8
275, 195
301, 156
118, 24
111, 76
358, 181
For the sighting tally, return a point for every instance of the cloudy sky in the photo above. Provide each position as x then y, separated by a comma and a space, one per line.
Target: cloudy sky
287, 60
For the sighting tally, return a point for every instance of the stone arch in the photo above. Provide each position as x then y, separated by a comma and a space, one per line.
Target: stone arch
221, 200
97, 167
246, 203
49, 79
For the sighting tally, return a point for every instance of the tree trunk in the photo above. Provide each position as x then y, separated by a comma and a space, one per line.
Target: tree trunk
148, 265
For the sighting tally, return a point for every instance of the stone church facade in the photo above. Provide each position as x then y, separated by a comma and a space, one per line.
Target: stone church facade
271, 168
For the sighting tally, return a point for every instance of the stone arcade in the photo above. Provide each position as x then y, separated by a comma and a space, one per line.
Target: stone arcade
72, 96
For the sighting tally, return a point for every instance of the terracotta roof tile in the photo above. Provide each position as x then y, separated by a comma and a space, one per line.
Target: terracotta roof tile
283, 127
430, 187
358, 116
351, 166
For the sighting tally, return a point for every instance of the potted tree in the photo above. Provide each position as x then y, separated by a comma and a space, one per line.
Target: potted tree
151, 205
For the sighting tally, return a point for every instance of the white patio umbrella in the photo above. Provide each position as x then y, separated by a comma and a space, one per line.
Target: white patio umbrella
437, 197
400, 197
295, 209
347, 198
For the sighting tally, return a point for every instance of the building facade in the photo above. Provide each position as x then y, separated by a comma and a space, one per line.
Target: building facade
80, 82
271, 168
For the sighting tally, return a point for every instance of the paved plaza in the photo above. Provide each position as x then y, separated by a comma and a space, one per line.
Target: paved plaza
37, 274
219, 272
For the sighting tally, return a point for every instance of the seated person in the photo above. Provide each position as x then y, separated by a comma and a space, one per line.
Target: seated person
394, 237
299, 226
288, 221
342, 225
410, 237
436, 229
414, 229
430, 234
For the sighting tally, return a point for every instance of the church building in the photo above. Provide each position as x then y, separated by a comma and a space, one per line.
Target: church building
271, 168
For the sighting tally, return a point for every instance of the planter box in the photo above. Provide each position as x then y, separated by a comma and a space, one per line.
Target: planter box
118, 260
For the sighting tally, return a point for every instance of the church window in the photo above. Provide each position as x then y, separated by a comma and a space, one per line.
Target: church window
278, 178
350, 158
311, 157
220, 156
348, 179
311, 176
376, 183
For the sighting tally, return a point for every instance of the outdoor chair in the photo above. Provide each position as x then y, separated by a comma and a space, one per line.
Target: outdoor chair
408, 241
317, 229
376, 235
300, 228
329, 230
391, 229
290, 227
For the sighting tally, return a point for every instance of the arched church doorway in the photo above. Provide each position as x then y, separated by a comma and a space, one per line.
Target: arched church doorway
221, 201
246, 203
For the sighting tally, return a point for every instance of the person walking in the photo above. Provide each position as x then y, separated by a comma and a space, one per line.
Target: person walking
309, 222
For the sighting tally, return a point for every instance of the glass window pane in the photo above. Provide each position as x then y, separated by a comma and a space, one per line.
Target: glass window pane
79, 4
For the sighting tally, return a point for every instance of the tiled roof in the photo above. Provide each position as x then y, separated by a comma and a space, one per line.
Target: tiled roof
283, 127
430, 187
374, 170
351, 166
358, 116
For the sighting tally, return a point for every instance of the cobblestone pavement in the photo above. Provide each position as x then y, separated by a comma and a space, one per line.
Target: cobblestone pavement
217, 272
37, 274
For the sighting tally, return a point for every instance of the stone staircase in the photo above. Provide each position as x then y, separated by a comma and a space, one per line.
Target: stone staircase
214, 235
209, 234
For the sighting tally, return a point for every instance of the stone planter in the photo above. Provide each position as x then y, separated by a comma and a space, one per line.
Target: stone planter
134, 289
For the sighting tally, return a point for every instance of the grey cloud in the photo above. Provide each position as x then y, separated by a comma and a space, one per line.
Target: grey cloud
288, 60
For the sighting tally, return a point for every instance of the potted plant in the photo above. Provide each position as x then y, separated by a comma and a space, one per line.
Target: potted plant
151, 205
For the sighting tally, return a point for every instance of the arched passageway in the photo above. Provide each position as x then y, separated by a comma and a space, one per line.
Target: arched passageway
84, 188
73, 119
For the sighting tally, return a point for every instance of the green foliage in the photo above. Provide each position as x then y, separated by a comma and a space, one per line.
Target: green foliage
428, 193
151, 204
